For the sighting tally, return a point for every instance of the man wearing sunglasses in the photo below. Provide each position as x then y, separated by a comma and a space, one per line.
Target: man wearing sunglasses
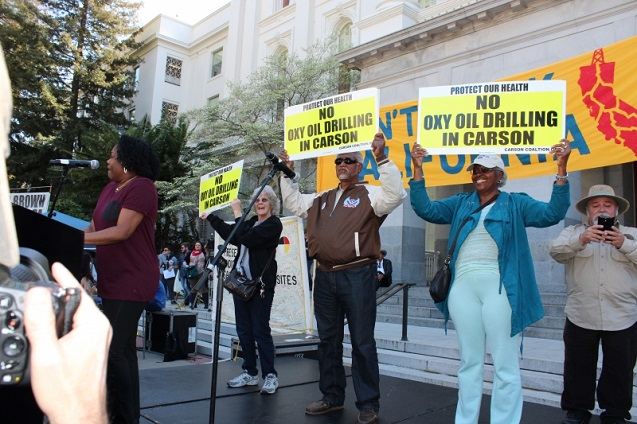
343, 236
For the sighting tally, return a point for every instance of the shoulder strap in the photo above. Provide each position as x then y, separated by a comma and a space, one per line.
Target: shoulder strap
268, 263
453, 245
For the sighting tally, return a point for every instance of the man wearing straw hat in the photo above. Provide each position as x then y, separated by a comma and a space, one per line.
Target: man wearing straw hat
601, 305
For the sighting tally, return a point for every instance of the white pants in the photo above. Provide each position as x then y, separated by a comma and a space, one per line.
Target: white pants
480, 314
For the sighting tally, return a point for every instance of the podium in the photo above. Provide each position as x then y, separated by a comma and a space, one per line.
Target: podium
58, 242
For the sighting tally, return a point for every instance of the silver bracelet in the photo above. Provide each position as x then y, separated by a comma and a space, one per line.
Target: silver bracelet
561, 178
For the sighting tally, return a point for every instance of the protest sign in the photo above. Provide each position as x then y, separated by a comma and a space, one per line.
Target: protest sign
35, 201
600, 122
495, 117
343, 123
218, 188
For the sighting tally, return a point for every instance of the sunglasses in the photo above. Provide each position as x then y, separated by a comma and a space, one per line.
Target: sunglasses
348, 161
481, 170
262, 200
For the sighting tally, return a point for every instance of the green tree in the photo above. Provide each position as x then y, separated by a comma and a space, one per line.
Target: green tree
72, 80
169, 141
249, 121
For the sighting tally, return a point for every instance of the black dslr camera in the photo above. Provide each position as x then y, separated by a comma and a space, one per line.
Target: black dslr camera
14, 348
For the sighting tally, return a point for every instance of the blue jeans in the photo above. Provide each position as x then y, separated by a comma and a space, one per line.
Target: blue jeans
185, 286
253, 325
348, 293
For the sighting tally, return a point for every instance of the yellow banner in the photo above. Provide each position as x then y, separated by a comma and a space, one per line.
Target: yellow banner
500, 117
219, 187
601, 122
343, 123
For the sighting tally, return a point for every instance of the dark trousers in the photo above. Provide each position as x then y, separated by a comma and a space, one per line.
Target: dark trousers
253, 328
615, 386
122, 378
169, 284
192, 296
348, 293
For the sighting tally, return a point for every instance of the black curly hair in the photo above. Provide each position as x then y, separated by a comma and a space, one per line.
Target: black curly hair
138, 156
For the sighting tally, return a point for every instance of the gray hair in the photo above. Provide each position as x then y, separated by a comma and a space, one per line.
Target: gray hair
358, 155
502, 181
275, 203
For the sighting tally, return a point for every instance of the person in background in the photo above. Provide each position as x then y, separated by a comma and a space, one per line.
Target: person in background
123, 229
168, 265
601, 285
257, 239
493, 295
383, 271
198, 260
343, 237
68, 375
184, 260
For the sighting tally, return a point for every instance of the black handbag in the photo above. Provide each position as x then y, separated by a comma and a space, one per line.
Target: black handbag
439, 285
191, 271
244, 288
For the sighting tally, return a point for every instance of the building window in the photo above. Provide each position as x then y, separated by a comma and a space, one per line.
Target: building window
345, 37
173, 70
217, 60
213, 101
136, 80
280, 4
169, 112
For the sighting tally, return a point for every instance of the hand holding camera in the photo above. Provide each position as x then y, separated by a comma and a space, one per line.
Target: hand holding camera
56, 372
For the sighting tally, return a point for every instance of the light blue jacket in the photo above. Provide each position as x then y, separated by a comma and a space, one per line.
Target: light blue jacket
506, 222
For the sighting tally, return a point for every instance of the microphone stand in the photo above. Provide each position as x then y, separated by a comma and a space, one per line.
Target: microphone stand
65, 172
202, 281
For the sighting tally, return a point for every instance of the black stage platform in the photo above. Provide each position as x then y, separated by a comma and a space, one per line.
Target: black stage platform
182, 395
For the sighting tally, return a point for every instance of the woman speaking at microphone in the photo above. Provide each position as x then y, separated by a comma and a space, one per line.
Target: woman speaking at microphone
123, 229
257, 239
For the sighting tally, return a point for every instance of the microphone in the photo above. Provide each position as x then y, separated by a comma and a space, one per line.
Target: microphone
71, 163
280, 165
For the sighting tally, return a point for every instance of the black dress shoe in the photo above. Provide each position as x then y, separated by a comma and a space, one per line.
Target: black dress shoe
576, 418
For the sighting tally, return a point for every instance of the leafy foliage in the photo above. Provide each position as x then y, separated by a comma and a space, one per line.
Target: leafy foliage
249, 121
71, 75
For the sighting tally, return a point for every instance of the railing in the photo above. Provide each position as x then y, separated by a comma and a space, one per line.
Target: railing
431, 264
390, 291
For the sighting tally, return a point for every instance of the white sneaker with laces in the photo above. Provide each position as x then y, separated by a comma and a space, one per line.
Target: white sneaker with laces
270, 384
244, 379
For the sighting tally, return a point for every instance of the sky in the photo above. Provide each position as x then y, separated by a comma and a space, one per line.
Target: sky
189, 11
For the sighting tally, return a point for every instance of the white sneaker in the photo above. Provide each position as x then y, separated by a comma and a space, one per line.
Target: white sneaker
244, 379
270, 384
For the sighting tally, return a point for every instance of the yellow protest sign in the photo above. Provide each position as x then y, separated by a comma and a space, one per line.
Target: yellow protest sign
219, 187
600, 121
495, 117
343, 123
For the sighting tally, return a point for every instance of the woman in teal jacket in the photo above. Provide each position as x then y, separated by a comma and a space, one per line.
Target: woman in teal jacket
493, 294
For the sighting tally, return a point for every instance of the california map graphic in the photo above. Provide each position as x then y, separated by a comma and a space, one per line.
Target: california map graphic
615, 118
